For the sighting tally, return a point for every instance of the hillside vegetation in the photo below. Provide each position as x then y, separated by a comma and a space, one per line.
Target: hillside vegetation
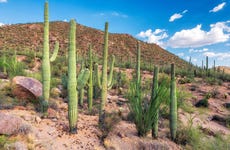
123, 46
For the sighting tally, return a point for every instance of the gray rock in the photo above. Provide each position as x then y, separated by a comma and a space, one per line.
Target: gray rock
10, 124
26, 87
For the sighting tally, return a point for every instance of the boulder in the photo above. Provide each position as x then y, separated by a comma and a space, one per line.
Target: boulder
26, 87
10, 124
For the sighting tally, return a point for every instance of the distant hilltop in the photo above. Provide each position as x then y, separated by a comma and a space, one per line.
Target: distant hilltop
225, 68
123, 46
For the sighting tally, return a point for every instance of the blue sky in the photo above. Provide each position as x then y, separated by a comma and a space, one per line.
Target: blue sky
184, 27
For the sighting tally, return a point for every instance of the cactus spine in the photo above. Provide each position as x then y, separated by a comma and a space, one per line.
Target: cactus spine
154, 92
105, 84
46, 75
90, 82
173, 104
72, 81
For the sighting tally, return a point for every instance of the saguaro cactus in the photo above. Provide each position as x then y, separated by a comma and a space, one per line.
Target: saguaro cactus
154, 92
105, 83
90, 82
173, 104
206, 68
72, 81
138, 70
46, 75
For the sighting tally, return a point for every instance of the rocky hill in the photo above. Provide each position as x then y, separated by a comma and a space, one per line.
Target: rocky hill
30, 36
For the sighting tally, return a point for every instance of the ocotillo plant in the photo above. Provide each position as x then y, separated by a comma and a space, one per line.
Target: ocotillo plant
72, 81
105, 83
90, 82
173, 104
154, 92
46, 75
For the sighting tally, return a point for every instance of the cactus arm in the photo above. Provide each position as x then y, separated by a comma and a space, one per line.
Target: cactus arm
46, 62
72, 81
173, 104
153, 96
56, 48
81, 96
82, 78
110, 80
98, 77
90, 83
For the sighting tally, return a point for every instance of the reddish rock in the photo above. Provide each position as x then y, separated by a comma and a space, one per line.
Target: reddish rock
10, 124
26, 88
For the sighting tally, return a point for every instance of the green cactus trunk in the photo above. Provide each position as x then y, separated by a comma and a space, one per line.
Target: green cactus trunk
173, 104
90, 82
46, 62
154, 92
138, 70
72, 81
46, 73
104, 72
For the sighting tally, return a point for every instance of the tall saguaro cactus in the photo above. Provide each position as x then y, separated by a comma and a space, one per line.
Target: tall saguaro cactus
46, 75
90, 82
105, 83
138, 70
154, 93
72, 81
173, 104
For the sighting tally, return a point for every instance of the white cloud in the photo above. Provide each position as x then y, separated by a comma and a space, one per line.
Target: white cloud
198, 50
180, 54
116, 14
196, 37
1, 24
218, 7
65, 20
219, 56
177, 16
153, 37
112, 14
3, 1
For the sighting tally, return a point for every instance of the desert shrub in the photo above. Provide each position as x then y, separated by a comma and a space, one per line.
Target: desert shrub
144, 111
185, 80
109, 121
202, 103
120, 79
4, 140
13, 67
